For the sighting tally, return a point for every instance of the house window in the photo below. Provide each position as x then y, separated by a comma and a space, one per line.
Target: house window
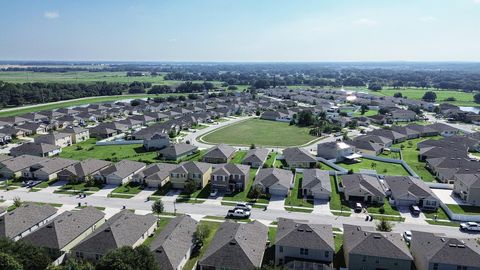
326, 254
280, 249
435, 266
304, 251
364, 259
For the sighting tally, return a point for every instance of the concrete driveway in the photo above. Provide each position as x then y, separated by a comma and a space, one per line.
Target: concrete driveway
321, 207
277, 203
53, 187
107, 189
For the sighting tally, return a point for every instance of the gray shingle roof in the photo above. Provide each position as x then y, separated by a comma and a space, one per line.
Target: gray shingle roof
21, 162
302, 234
123, 168
23, 218
65, 228
273, 176
444, 250
237, 246
295, 154
407, 186
366, 241
220, 151
256, 155
157, 171
228, 169
354, 182
316, 180
192, 167
123, 229
85, 167
33, 149
177, 149
173, 243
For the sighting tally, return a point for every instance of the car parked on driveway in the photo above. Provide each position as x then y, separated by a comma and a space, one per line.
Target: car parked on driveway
470, 226
415, 210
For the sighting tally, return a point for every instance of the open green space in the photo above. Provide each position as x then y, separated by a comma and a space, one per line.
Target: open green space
261, 133
461, 98
295, 198
88, 149
379, 166
358, 113
196, 256
464, 209
410, 156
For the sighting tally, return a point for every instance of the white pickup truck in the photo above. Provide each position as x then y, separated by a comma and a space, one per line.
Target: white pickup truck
238, 213
470, 226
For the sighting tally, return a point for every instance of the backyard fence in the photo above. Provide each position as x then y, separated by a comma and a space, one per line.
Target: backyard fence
395, 161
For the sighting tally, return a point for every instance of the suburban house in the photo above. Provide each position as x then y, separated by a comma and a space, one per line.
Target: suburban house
236, 246
59, 139
12, 168
156, 140
47, 170
4, 137
155, 175
303, 241
365, 248
229, 177
409, 133
121, 172
197, 171
388, 133
408, 190
363, 188
78, 134
66, 230
438, 251
221, 153
177, 151
403, 115
123, 229
255, 158
36, 149
441, 152
316, 184
383, 141
25, 219
274, 181
278, 115
83, 169
444, 129
424, 130
336, 151
173, 246
296, 157
467, 187
366, 147
445, 168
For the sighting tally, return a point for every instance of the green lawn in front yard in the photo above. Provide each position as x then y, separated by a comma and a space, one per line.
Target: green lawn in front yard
242, 196
261, 133
367, 113
464, 209
88, 149
270, 160
295, 198
410, 156
337, 201
130, 188
387, 209
195, 197
195, 257
45, 184
80, 187
379, 166
161, 223
238, 157
439, 213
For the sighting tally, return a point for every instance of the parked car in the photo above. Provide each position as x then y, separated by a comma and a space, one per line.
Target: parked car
358, 207
238, 213
470, 226
415, 210
213, 193
244, 206
407, 235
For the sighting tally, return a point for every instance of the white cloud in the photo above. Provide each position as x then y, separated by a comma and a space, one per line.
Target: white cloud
172, 40
428, 18
476, 1
365, 21
51, 14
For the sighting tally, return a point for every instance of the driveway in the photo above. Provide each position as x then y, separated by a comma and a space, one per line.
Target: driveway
446, 196
53, 187
144, 194
107, 189
277, 203
321, 207
405, 212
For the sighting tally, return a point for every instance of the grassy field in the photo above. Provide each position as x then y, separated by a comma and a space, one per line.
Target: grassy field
261, 133
380, 167
462, 98
410, 155
88, 149
295, 199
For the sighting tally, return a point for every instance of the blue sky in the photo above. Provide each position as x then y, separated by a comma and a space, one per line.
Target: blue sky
240, 30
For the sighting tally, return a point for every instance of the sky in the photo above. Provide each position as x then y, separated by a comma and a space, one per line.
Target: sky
240, 30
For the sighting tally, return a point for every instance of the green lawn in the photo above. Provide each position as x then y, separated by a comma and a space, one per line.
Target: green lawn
195, 257
242, 196
272, 233
387, 209
161, 223
295, 198
337, 201
270, 160
238, 157
410, 155
380, 167
439, 213
338, 258
444, 223
80, 187
464, 209
367, 113
261, 133
46, 183
130, 189
88, 149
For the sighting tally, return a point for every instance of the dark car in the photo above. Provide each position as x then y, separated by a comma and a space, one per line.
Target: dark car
415, 210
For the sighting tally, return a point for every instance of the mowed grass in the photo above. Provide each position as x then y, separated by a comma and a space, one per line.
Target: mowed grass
261, 133
380, 167
462, 98
295, 198
242, 196
213, 226
88, 149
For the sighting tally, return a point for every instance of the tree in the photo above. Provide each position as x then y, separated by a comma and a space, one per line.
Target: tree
375, 87
157, 207
252, 146
476, 98
255, 192
429, 96
398, 95
30, 257
190, 186
363, 109
8, 262
72, 264
383, 111
127, 258
384, 226
17, 202
202, 232
305, 118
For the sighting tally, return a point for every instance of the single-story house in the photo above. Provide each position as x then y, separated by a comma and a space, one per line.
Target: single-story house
83, 169
177, 151
316, 184
25, 219
121, 172
221, 153
363, 188
256, 157
36, 149
274, 181
296, 157
408, 190
155, 175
